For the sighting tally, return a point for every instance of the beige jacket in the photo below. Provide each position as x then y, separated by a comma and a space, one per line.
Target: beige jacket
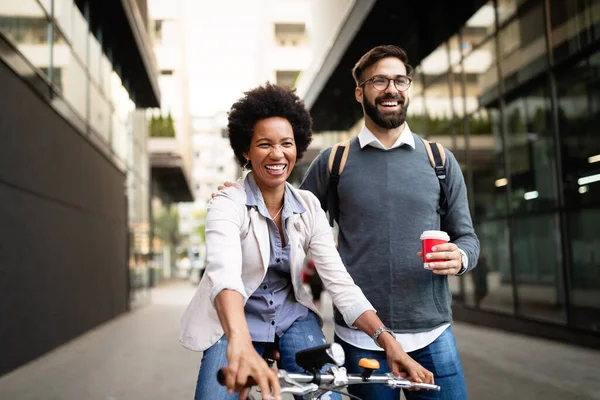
237, 246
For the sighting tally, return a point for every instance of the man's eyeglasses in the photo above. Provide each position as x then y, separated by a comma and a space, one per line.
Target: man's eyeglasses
380, 82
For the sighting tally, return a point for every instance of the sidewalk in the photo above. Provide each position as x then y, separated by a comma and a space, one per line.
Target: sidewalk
138, 357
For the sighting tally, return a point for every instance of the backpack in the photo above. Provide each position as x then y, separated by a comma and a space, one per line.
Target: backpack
339, 157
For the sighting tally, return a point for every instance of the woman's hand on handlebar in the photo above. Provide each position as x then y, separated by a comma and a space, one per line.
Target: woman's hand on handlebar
401, 364
245, 362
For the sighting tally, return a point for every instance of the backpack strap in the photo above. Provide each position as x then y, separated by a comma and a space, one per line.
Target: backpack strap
337, 161
437, 159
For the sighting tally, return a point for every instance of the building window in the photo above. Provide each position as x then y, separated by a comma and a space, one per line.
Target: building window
478, 28
574, 27
287, 78
157, 30
290, 35
56, 76
166, 72
25, 30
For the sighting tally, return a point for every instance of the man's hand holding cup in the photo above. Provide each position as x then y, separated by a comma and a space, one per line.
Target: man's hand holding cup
439, 255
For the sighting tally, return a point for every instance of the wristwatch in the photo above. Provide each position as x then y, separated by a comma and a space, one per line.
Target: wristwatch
379, 332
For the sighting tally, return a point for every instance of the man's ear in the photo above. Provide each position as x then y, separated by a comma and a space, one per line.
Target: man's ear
358, 94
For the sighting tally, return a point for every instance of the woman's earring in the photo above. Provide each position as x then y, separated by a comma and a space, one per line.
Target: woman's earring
247, 166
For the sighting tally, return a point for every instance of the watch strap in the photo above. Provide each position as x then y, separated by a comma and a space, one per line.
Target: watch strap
379, 331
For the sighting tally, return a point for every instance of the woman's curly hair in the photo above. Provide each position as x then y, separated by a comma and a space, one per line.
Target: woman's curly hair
265, 102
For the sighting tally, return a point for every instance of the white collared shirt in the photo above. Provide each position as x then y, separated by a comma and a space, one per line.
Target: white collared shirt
367, 138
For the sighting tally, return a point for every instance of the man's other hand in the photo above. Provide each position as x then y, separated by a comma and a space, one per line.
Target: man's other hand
225, 184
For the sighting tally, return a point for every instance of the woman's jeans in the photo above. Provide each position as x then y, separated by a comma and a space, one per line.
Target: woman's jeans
440, 357
303, 333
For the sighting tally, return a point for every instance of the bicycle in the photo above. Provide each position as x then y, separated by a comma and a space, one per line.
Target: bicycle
312, 384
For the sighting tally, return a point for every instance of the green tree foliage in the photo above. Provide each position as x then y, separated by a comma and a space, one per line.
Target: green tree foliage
480, 125
166, 226
200, 216
162, 126
423, 123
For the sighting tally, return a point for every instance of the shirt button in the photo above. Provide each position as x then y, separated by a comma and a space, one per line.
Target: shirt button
278, 260
265, 287
271, 302
272, 322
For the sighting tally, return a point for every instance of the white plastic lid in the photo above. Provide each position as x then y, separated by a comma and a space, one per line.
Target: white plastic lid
440, 235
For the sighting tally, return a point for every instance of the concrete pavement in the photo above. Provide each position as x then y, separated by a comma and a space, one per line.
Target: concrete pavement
137, 356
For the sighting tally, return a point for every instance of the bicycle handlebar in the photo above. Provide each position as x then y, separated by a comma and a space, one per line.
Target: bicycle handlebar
337, 377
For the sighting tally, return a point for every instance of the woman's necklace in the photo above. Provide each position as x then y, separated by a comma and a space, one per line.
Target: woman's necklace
276, 215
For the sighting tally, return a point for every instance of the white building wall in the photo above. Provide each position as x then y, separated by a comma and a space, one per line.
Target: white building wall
231, 48
223, 50
323, 24
280, 57
170, 49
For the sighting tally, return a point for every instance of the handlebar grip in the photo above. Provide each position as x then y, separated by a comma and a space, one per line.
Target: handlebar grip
221, 378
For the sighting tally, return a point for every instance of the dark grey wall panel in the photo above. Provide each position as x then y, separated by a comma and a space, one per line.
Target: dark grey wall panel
63, 227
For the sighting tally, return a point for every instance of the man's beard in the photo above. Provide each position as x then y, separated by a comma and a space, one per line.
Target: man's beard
389, 120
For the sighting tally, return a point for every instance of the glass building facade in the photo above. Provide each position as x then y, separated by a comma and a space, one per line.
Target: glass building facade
71, 67
515, 94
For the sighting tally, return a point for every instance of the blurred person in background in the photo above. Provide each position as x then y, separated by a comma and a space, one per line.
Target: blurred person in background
480, 279
312, 278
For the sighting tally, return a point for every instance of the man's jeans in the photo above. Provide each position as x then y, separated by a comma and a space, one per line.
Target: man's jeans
440, 357
303, 333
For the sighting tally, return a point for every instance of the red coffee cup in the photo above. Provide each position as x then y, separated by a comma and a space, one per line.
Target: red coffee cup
430, 239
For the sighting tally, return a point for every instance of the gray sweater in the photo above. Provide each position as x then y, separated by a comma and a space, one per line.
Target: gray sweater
387, 199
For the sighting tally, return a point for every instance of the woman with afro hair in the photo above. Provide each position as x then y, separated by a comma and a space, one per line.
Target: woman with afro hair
258, 232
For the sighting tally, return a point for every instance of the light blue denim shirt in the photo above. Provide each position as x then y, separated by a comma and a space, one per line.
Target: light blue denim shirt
272, 308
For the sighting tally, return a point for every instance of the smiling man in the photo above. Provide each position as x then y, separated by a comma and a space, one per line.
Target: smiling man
387, 196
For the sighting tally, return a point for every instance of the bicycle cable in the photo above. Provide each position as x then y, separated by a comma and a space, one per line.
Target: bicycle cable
325, 391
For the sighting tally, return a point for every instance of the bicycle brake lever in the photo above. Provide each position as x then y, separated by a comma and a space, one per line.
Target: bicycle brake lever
403, 383
300, 390
296, 388
427, 386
